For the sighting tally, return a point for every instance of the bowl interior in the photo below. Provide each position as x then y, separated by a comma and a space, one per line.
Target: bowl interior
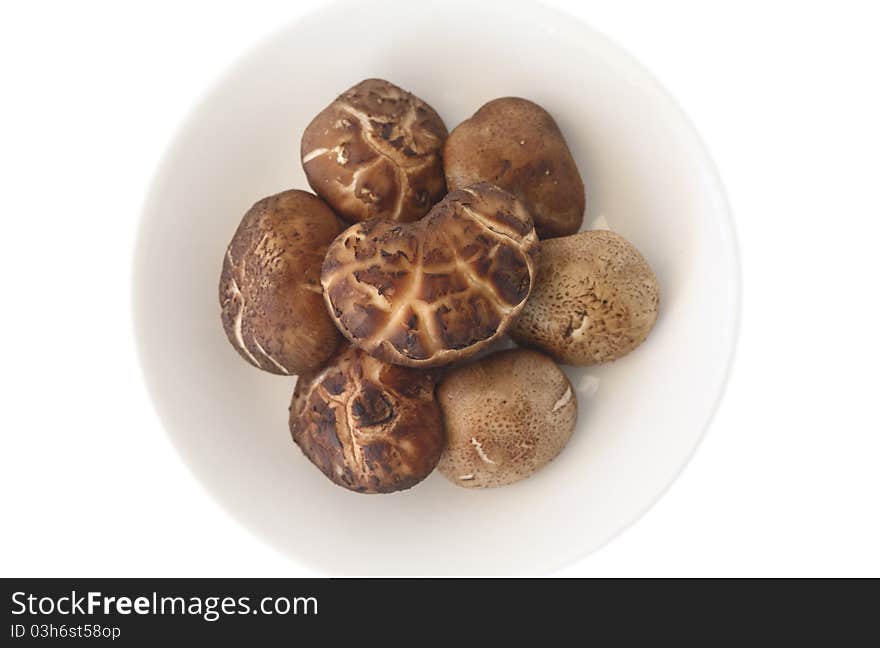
647, 175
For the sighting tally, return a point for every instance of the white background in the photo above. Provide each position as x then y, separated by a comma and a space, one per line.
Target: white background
787, 98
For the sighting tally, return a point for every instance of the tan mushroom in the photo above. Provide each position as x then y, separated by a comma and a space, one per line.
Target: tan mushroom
506, 416
375, 152
437, 290
270, 291
516, 144
596, 299
370, 426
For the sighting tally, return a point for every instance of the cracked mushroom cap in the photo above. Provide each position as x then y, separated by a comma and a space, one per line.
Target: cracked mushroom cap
437, 290
370, 426
375, 152
506, 416
270, 290
597, 299
516, 144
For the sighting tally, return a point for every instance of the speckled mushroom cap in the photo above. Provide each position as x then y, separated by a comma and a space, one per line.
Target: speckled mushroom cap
437, 290
370, 426
375, 152
270, 292
517, 145
506, 416
596, 300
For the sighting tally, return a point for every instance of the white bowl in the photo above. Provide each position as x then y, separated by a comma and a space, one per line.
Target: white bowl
647, 173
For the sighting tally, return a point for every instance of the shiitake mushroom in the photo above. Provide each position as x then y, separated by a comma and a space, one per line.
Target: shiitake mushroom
596, 300
270, 292
516, 145
375, 152
506, 416
429, 293
369, 426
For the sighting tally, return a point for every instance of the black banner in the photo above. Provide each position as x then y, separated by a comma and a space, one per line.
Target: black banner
386, 611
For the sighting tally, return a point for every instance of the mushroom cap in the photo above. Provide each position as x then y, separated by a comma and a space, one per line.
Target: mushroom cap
595, 301
506, 416
370, 426
375, 152
437, 290
516, 145
270, 290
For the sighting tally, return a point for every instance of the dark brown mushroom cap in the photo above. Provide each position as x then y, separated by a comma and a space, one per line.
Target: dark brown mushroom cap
516, 144
370, 426
375, 152
270, 290
437, 290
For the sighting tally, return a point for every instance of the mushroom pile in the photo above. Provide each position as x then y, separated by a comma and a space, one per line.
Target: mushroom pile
384, 294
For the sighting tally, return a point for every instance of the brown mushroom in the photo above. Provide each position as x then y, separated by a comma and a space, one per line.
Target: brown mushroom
517, 145
270, 291
506, 416
370, 426
597, 299
437, 290
375, 152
